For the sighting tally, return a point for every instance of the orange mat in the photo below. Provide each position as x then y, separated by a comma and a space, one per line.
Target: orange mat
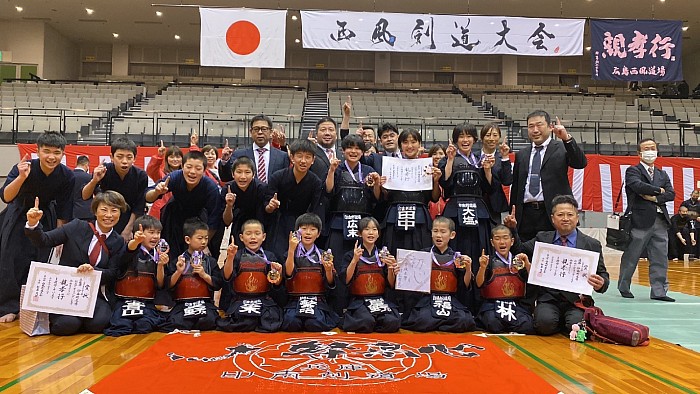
317, 363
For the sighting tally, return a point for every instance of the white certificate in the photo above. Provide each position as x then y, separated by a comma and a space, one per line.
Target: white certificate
414, 272
563, 268
407, 174
61, 290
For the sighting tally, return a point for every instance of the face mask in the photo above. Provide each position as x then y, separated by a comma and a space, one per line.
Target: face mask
649, 156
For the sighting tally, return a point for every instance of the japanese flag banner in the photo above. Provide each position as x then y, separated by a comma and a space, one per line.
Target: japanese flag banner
242, 37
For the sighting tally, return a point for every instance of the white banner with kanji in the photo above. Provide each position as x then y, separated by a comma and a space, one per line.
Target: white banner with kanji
242, 37
425, 33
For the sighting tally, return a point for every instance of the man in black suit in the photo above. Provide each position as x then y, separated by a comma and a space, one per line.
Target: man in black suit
557, 310
267, 159
81, 208
648, 189
541, 172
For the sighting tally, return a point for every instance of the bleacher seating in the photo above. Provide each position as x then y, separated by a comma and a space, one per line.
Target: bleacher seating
44, 106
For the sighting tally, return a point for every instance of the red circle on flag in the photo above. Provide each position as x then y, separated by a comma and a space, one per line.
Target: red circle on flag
243, 37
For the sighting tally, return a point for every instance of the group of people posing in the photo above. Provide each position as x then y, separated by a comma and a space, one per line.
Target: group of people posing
314, 233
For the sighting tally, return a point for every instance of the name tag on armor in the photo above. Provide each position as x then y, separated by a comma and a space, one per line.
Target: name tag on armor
505, 310
442, 305
307, 306
195, 309
350, 226
377, 306
251, 307
133, 308
467, 214
406, 217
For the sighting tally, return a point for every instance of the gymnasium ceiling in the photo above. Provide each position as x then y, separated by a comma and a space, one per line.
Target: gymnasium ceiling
136, 21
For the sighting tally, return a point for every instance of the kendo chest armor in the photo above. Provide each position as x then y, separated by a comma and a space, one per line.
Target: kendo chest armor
191, 286
503, 284
409, 197
369, 280
465, 178
138, 283
307, 281
351, 197
251, 278
443, 279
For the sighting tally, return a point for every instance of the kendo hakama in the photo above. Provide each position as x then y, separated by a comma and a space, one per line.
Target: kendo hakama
194, 303
307, 287
350, 201
369, 310
441, 310
16, 251
135, 311
502, 292
254, 308
407, 223
465, 190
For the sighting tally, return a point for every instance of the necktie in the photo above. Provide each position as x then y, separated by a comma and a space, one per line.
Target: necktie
535, 172
564, 241
95, 252
330, 153
651, 173
261, 165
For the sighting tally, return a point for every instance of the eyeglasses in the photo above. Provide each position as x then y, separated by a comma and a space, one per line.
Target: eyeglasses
263, 129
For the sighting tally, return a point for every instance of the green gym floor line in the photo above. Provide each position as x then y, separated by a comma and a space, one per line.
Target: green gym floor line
675, 322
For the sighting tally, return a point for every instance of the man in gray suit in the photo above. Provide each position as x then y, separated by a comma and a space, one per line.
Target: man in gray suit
557, 310
648, 189
540, 173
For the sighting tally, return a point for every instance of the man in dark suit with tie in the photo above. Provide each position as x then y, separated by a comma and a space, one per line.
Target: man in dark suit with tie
648, 189
541, 172
81, 208
557, 310
267, 159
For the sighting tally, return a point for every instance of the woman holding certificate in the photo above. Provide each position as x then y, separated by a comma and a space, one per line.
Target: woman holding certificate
87, 246
407, 220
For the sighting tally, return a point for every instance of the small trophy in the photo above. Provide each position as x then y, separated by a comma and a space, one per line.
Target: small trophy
197, 258
384, 253
327, 255
518, 263
369, 181
273, 275
163, 246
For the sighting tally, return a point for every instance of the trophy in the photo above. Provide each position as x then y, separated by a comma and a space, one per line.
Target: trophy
518, 263
163, 246
327, 255
197, 258
273, 275
384, 253
369, 181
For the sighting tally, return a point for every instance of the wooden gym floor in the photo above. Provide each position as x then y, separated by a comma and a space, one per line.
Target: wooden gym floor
48, 364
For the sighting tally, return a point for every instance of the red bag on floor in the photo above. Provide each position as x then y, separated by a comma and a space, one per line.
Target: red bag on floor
614, 330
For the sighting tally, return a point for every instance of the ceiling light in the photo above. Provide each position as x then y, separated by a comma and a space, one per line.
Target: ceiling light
685, 28
177, 37
294, 17
115, 35
297, 41
159, 13
89, 11
19, 9
663, 1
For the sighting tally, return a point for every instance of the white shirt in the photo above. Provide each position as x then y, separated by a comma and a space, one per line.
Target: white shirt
540, 196
266, 156
94, 242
